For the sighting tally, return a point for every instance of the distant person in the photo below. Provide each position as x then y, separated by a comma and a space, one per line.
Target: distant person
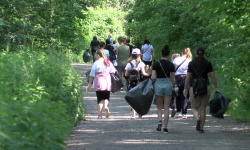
130, 46
100, 73
147, 51
125, 38
199, 103
122, 53
110, 39
181, 67
109, 48
172, 104
134, 61
114, 45
94, 47
163, 74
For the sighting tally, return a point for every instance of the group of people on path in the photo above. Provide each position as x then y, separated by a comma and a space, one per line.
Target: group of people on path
181, 71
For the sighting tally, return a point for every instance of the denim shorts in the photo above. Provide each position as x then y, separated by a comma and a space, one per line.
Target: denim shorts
163, 86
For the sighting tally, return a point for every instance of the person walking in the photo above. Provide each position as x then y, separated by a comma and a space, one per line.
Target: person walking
163, 74
134, 62
198, 103
122, 53
147, 51
110, 39
94, 47
181, 66
130, 46
100, 73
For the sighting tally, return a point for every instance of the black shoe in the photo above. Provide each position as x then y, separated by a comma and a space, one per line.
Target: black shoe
159, 126
165, 130
198, 125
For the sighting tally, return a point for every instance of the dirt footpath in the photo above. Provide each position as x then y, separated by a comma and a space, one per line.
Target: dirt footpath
119, 132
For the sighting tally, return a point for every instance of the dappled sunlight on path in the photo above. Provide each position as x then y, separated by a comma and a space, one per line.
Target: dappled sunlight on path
119, 132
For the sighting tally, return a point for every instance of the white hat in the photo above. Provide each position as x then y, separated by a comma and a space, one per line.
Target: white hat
136, 51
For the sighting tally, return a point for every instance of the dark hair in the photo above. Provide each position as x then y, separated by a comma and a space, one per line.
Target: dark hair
94, 38
146, 41
101, 44
200, 53
114, 42
107, 41
165, 51
127, 40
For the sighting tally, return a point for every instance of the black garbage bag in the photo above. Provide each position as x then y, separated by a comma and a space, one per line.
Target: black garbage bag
140, 97
116, 83
218, 105
86, 56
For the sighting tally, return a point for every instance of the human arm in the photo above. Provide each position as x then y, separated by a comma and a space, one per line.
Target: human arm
90, 82
172, 76
153, 76
213, 78
144, 72
185, 92
153, 54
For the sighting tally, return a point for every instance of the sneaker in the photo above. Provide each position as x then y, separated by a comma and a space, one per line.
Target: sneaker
139, 116
121, 89
159, 126
177, 115
99, 117
173, 113
165, 130
107, 112
133, 117
184, 116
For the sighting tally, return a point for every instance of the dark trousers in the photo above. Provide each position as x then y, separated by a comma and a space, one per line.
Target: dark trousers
181, 101
93, 55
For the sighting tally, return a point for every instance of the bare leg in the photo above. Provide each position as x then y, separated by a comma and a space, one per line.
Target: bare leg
202, 108
99, 108
167, 100
133, 112
159, 104
106, 103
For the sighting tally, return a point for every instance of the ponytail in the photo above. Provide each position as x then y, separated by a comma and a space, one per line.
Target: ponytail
200, 53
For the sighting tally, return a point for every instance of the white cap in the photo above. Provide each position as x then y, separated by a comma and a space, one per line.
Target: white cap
136, 51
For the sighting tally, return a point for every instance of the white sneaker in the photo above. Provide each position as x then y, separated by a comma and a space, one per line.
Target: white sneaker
107, 112
184, 116
177, 115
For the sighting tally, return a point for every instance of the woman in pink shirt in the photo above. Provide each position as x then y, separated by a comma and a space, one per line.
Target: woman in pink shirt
100, 73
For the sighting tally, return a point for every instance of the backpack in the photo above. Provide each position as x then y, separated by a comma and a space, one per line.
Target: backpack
86, 56
134, 73
200, 84
112, 55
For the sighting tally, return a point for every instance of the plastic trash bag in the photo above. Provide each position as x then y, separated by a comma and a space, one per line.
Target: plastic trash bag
116, 83
86, 56
140, 97
218, 105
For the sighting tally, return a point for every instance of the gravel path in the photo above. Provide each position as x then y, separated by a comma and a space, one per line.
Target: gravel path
119, 132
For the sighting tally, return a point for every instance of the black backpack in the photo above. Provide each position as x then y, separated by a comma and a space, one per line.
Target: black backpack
134, 73
199, 84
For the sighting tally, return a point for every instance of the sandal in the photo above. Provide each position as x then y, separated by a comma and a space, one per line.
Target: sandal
201, 131
198, 125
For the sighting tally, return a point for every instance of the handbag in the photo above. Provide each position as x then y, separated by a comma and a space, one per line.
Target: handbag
116, 83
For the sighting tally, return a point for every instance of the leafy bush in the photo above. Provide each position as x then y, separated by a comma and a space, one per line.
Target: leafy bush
40, 96
221, 27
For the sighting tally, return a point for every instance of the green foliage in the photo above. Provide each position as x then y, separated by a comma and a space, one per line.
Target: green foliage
221, 27
40, 96
41, 24
101, 21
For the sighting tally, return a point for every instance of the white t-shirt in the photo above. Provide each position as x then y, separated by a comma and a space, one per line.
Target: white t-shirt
99, 66
115, 46
182, 70
140, 65
147, 52
106, 52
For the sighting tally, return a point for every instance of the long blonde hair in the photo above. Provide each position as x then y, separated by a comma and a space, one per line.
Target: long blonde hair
188, 53
101, 53
135, 57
